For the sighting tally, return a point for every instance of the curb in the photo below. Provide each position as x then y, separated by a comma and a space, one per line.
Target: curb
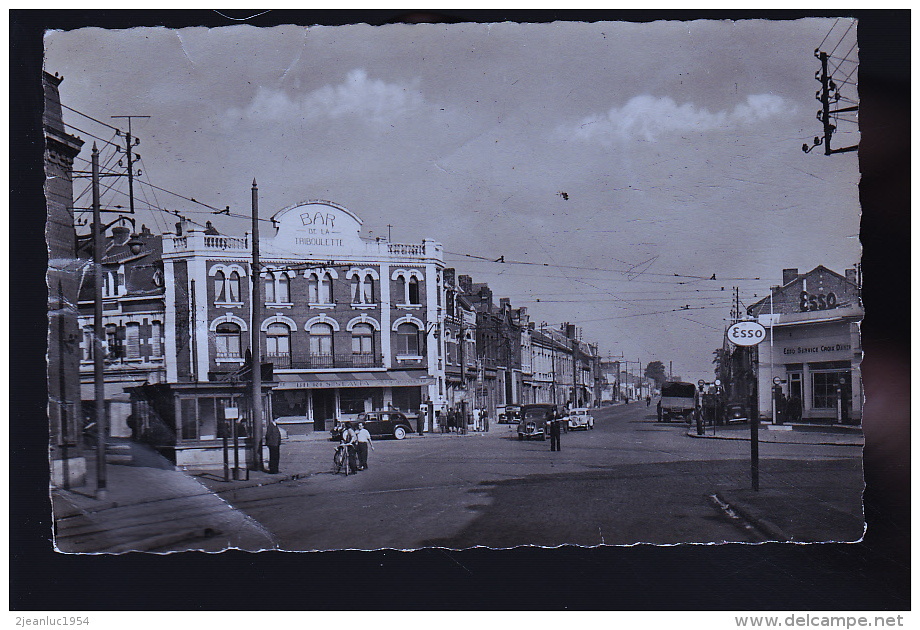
764, 527
693, 434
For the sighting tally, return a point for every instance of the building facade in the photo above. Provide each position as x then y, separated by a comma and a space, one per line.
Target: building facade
348, 324
133, 317
814, 349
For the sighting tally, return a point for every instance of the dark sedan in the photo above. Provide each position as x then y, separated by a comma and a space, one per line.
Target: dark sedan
378, 424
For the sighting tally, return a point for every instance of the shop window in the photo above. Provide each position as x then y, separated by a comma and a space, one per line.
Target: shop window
824, 388
207, 419
321, 340
356, 400
133, 341
407, 340
228, 339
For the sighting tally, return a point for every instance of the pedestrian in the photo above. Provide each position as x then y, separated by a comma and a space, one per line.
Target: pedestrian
362, 441
648, 401
554, 430
349, 438
659, 410
420, 422
273, 442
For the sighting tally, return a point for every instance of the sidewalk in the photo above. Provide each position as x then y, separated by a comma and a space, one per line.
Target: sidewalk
800, 501
149, 509
786, 434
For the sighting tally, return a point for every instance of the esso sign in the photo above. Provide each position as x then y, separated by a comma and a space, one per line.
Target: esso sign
746, 333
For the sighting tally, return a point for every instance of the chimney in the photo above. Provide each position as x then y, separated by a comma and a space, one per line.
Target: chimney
449, 275
570, 331
851, 276
532, 325
789, 275
120, 235
465, 283
505, 303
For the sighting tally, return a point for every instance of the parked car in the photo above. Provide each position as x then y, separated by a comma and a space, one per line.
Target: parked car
378, 424
736, 412
580, 418
534, 422
509, 414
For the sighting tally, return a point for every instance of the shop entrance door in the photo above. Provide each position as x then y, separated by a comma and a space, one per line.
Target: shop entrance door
323, 408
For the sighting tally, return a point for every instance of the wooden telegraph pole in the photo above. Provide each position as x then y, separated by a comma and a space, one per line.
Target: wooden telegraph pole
98, 334
255, 330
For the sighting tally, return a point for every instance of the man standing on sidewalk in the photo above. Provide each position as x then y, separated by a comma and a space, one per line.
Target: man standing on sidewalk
273, 442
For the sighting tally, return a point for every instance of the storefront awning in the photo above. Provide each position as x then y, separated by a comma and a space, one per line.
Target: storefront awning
351, 379
113, 391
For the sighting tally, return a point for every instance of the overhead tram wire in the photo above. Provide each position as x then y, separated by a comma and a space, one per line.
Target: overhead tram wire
104, 124
502, 261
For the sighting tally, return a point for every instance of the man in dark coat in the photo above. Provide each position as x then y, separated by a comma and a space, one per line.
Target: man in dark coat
273, 442
554, 431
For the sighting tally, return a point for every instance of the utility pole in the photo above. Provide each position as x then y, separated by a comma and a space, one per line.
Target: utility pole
98, 334
824, 114
255, 329
128, 147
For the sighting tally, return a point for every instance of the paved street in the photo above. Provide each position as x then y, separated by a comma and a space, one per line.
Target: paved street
629, 480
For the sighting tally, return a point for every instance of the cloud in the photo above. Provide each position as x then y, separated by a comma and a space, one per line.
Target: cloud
648, 117
374, 101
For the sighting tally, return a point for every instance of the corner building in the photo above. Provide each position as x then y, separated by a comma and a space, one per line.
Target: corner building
349, 324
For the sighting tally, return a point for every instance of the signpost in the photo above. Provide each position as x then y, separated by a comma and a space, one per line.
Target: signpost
748, 333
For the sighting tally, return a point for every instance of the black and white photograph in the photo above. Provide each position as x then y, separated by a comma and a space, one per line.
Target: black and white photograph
471, 285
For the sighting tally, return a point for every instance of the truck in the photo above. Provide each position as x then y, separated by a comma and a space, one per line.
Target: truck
678, 400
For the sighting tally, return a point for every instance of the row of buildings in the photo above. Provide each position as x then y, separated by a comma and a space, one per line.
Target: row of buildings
349, 324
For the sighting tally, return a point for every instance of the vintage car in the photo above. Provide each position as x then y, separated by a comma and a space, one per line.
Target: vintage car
580, 418
378, 424
735, 412
534, 422
509, 414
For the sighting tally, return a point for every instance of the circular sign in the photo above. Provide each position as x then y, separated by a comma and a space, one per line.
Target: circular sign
746, 333
777, 381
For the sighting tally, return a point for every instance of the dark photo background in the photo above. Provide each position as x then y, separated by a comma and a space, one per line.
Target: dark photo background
871, 575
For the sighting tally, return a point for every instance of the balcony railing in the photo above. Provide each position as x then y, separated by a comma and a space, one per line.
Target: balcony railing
286, 361
406, 250
199, 241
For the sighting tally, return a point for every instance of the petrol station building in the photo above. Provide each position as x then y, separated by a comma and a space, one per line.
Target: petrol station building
812, 351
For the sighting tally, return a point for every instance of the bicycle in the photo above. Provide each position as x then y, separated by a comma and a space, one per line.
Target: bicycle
340, 459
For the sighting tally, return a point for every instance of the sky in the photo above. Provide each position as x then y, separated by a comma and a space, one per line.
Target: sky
614, 167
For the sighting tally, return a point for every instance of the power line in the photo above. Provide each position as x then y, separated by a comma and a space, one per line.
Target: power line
93, 119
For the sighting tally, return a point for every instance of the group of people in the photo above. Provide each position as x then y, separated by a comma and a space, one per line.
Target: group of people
451, 421
357, 441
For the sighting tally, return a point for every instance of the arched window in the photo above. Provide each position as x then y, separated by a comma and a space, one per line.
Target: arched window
368, 289
355, 290
362, 339
313, 289
321, 340
228, 341
235, 295
284, 289
277, 341
326, 289
401, 287
220, 289
407, 340
413, 291
270, 288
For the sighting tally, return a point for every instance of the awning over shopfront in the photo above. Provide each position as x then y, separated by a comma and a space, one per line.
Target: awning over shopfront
351, 379
113, 391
